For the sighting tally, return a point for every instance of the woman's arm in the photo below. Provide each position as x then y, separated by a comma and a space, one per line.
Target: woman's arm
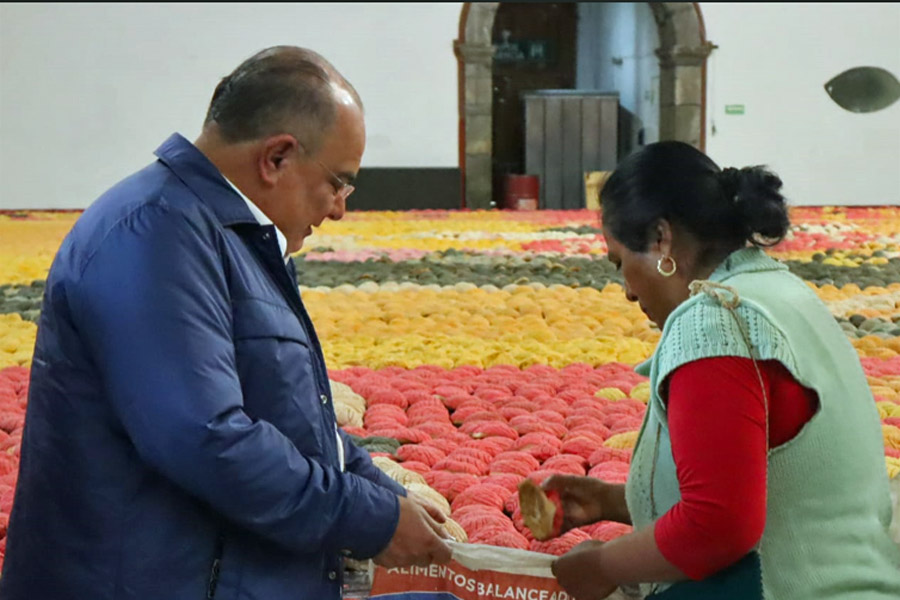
718, 435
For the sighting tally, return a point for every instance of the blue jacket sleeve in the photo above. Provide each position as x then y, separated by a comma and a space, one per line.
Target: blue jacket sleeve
154, 308
358, 461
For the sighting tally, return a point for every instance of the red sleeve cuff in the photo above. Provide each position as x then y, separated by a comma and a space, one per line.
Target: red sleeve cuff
674, 550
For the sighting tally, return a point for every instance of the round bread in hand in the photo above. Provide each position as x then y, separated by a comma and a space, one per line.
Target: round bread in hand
542, 512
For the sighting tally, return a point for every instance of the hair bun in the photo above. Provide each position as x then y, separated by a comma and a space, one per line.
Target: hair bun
756, 195
730, 181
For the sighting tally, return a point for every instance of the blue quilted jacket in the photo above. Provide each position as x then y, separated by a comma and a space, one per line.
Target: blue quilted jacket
179, 441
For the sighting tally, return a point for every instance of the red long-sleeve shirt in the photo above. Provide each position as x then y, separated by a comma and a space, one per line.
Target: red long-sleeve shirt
718, 432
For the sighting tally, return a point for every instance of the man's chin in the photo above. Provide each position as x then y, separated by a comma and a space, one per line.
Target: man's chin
295, 246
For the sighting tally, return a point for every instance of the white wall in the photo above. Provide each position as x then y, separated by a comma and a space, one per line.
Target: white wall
88, 91
624, 30
775, 59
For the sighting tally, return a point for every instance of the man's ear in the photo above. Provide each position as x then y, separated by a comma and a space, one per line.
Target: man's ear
277, 153
661, 242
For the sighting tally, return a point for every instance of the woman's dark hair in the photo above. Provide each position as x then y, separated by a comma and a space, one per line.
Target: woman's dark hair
723, 208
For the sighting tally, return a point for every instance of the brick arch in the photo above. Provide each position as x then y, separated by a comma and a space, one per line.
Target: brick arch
682, 59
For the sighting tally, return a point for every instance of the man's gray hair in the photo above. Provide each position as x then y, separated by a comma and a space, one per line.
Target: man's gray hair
283, 89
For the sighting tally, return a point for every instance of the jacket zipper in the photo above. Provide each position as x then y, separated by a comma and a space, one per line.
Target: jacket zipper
215, 568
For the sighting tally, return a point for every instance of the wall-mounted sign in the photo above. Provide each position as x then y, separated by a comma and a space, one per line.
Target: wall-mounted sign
734, 109
523, 51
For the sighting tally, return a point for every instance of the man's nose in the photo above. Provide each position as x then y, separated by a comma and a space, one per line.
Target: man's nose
338, 210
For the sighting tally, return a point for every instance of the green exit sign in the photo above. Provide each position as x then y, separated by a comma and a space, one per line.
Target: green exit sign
734, 109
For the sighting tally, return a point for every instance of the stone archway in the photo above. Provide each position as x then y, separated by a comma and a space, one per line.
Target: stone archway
682, 85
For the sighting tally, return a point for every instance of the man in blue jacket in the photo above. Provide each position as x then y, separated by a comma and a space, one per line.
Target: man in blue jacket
180, 440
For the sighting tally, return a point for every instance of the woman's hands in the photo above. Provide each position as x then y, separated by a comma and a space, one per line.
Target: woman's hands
593, 569
579, 573
586, 500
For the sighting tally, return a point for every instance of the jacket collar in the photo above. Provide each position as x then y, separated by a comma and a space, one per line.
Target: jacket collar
203, 178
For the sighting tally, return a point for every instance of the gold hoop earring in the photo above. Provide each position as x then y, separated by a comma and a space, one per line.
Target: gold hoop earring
659, 266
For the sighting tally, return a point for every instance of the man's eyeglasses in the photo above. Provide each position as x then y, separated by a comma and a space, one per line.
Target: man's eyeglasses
341, 188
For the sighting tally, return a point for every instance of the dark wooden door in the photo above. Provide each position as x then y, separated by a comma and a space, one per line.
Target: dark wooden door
535, 48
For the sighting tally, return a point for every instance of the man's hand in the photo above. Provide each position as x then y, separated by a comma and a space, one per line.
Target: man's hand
579, 573
438, 518
416, 540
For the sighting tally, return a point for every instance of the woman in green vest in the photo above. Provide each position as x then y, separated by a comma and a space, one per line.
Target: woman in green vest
759, 470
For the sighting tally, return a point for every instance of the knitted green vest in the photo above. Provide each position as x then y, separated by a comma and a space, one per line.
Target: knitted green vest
828, 507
